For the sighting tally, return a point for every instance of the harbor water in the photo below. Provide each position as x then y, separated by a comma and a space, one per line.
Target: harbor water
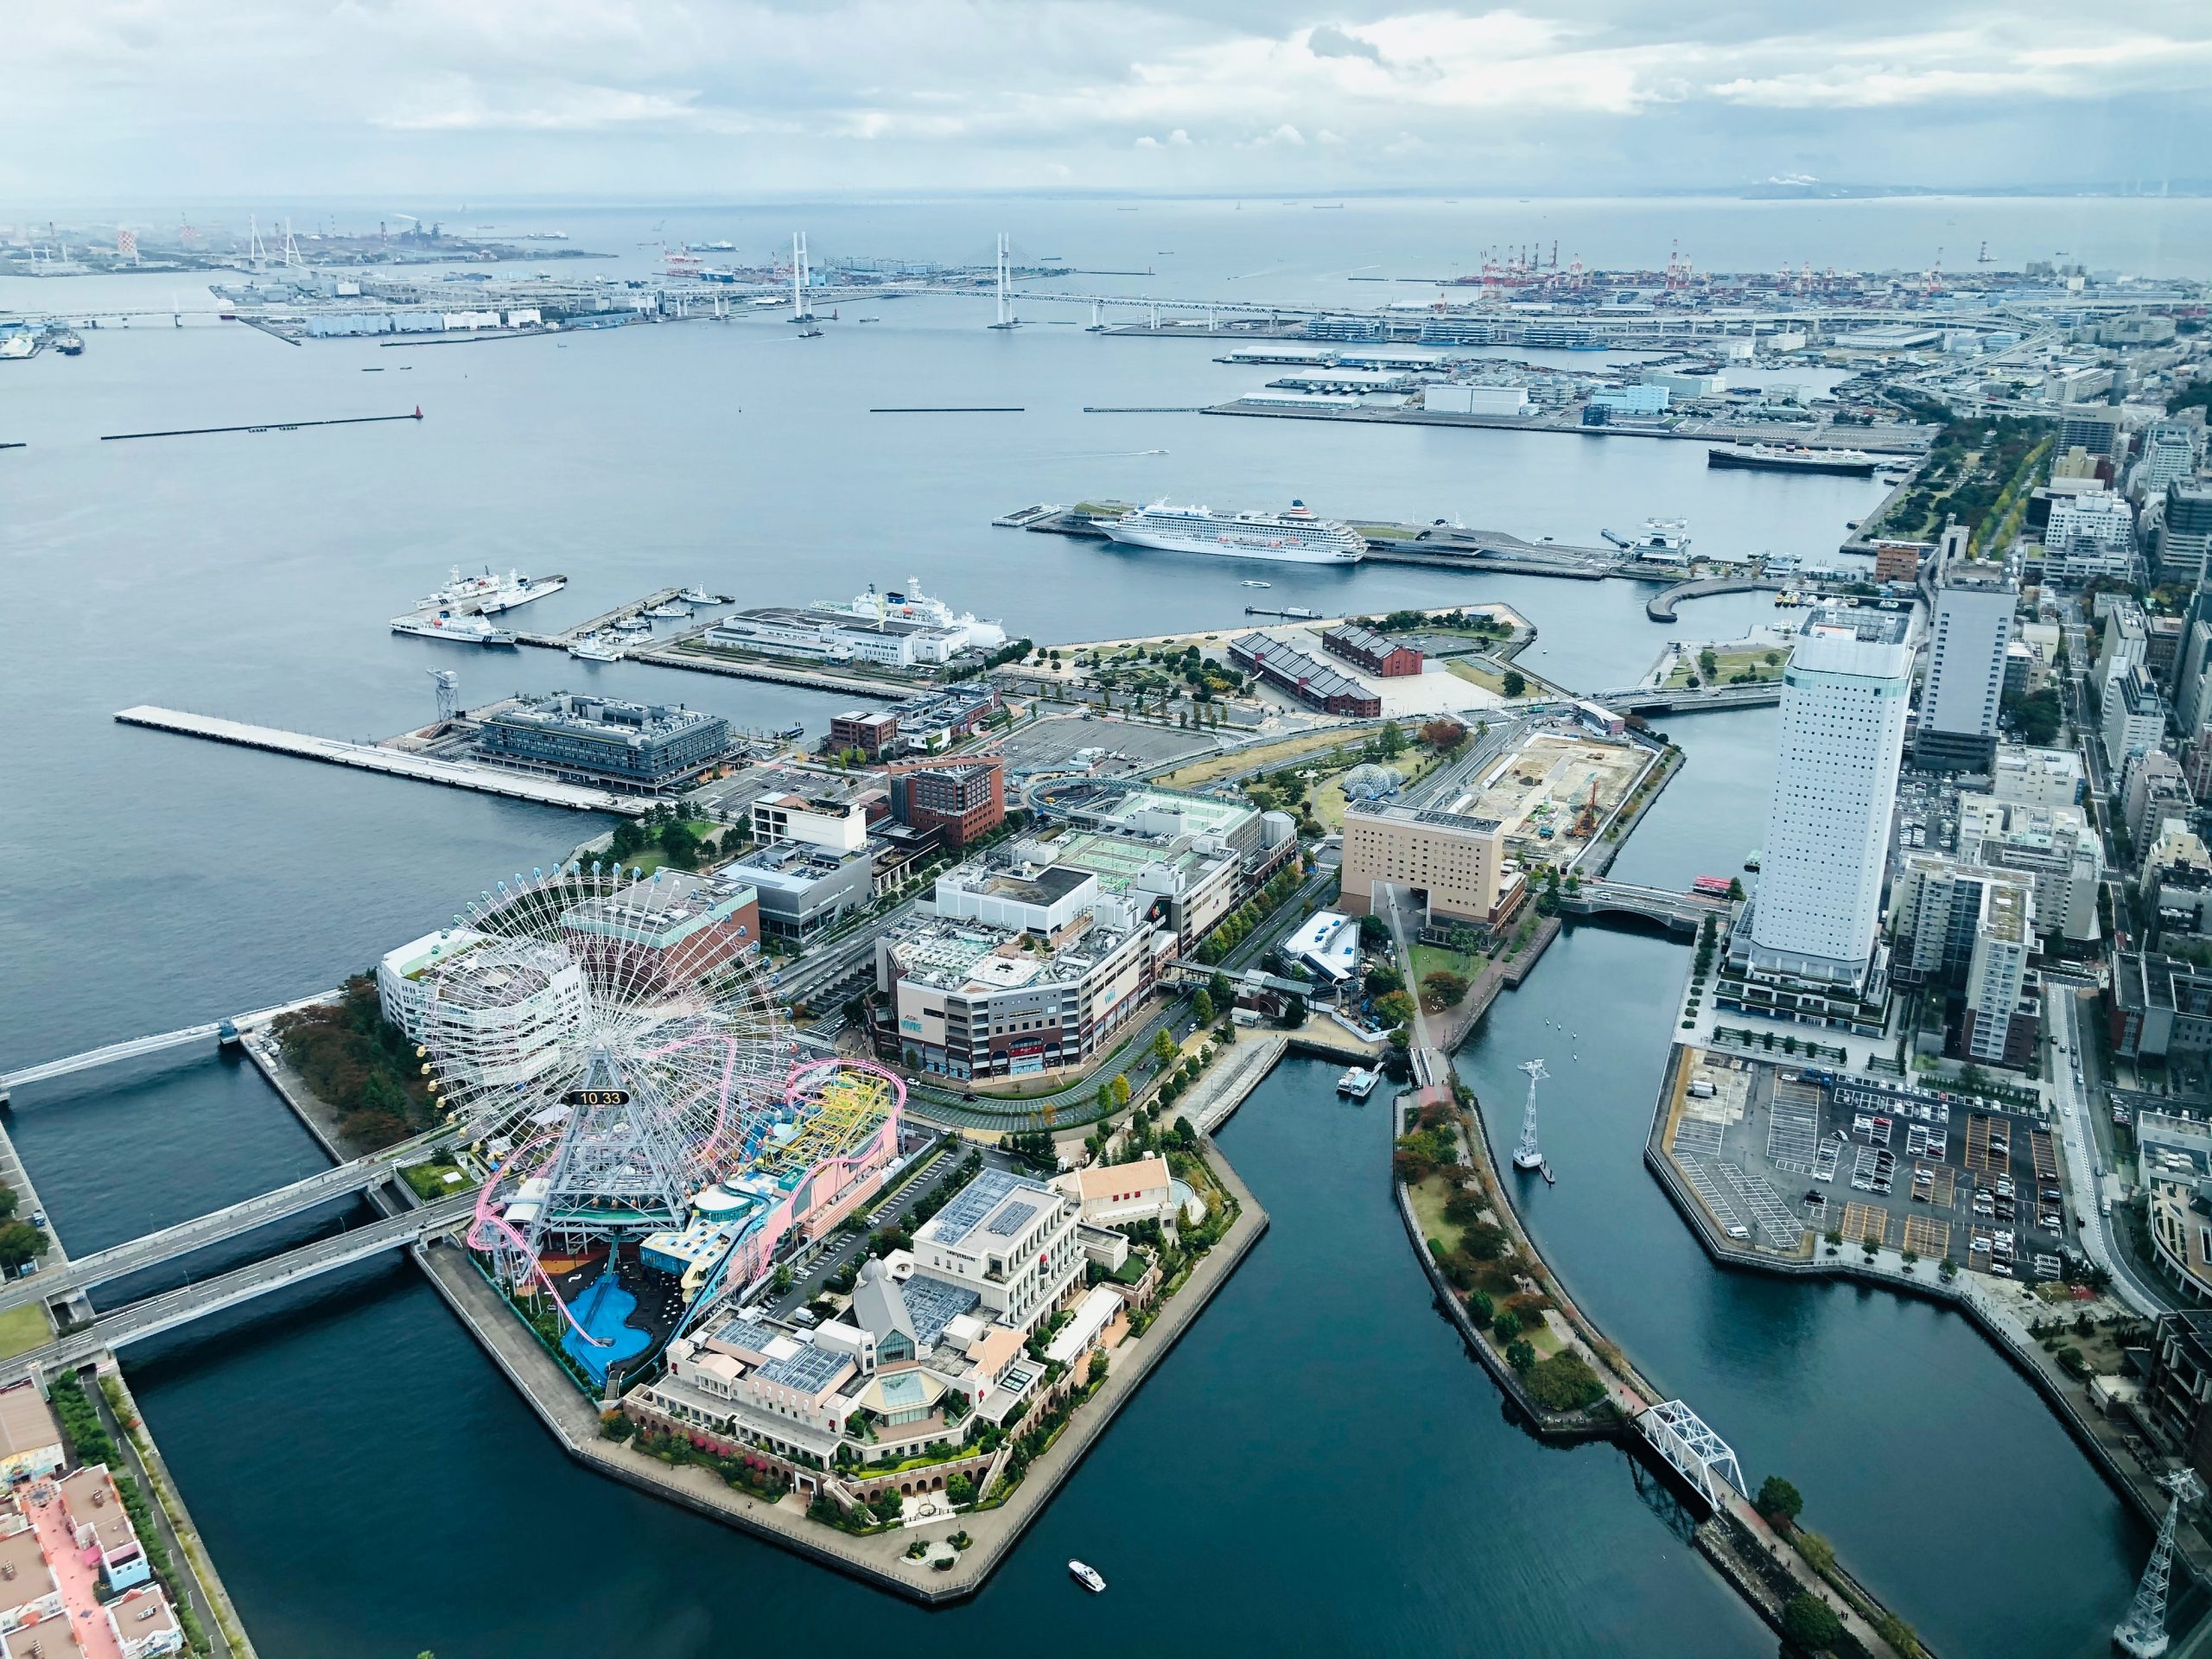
367, 1485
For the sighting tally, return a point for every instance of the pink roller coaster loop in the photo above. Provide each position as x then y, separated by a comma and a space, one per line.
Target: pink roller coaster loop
488, 1217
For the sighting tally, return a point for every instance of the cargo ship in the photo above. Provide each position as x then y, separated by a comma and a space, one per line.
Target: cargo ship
1295, 535
1792, 458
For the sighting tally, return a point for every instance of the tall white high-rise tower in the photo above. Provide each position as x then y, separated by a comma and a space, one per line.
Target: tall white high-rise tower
1843, 717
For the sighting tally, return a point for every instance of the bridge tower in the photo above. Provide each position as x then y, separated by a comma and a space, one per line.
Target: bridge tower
2142, 1633
1527, 1155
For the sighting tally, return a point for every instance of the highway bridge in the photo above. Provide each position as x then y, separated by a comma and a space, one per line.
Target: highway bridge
1681, 700
56, 1287
1682, 913
166, 1312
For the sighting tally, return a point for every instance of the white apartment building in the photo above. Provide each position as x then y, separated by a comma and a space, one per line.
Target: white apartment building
2091, 534
2035, 777
818, 821
2135, 717
2124, 645
1968, 639
2052, 847
1843, 719
1996, 972
1011, 1239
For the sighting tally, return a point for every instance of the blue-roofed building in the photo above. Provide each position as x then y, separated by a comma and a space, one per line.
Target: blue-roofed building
1011, 1239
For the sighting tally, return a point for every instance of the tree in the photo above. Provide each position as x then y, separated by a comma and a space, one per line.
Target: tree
1374, 932
21, 1244
1810, 1624
1120, 1090
1519, 1355
1735, 889
1097, 1366
1515, 686
1444, 735
1219, 989
780, 1281
1707, 662
1164, 1046
1441, 988
1105, 1096
9, 1199
1479, 1304
1506, 1326
680, 845
1392, 740
627, 840
1202, 1008
1293, 1013
1779, 1501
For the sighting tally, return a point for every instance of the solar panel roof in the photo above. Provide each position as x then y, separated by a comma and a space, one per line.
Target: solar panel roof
935, 1303
808, 1371
1011, 1220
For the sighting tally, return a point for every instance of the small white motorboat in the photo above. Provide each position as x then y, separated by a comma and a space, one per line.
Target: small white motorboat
1087, 1577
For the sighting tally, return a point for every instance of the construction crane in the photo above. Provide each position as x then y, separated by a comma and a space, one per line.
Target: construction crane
1585, 821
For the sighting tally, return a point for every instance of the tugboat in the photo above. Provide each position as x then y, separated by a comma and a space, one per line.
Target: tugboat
1087, 1577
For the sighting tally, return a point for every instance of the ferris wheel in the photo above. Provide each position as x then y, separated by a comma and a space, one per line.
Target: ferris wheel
607, 1042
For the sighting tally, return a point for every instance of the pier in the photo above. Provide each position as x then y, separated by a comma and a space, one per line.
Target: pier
265, 426
224, 1031
395, 763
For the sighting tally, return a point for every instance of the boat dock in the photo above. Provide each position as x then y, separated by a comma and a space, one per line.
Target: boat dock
396, 763
567, 637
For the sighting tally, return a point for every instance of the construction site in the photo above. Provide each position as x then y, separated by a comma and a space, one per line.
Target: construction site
1556, 792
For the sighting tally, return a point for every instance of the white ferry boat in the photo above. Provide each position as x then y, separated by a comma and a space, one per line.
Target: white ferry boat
1358, 1082
468, 630
695, 594
490, 591
1292, 537
912, 605
669, 613
593, 649
1088, 1577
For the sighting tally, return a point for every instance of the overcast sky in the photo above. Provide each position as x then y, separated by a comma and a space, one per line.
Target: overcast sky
649, 99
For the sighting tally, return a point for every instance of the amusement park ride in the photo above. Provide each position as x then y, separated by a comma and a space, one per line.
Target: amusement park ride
613, 1056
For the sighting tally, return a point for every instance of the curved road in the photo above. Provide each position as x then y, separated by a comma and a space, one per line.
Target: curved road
2085, 1184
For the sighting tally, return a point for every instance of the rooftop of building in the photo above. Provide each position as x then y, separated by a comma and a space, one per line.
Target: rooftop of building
1319, 678
24, 1575
651, 911
788, 865
93, 1502
969, 955
1427, 817
1104, 1180
793, 616
996, 1205
607, 716
1019, 885
1204, 814
1118, 857
2005, 909
1358, 638
27, 1422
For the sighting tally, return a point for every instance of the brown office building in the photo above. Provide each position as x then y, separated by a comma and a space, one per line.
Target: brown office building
874, 732
962, 799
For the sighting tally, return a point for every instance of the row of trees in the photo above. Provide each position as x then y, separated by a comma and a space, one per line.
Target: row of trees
1238, 926
664, 826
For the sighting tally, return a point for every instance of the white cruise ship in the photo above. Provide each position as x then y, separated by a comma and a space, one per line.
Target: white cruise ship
1294, 536
912, 605
491, 592
467, 630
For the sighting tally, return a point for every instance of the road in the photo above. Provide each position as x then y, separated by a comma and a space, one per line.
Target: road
2087, 1186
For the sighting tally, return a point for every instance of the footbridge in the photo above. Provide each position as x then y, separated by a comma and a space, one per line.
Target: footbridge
1701, 1457
166, 1312
218, 1226
1680, 911
221, 1031
1682, 700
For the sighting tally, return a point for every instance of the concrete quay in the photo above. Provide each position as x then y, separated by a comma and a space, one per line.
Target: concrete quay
1873, 439
878, 1559
377, 758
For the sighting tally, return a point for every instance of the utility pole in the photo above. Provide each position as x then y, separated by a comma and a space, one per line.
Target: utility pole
1527, 1155
2142, 1634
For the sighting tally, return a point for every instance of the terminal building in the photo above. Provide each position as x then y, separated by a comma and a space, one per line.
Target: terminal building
788, 631
639, 745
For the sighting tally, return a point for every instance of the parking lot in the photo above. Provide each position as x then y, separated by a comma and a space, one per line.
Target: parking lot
1126, 746
1797, 1151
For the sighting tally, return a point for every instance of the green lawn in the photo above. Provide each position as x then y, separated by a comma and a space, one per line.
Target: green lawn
1427, 958
1729, 664
1482, 676
1429, 1197
23, 1328
429, 1181
649, 859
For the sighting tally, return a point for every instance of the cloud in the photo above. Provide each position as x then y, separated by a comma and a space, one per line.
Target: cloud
1327, 40
176, 98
